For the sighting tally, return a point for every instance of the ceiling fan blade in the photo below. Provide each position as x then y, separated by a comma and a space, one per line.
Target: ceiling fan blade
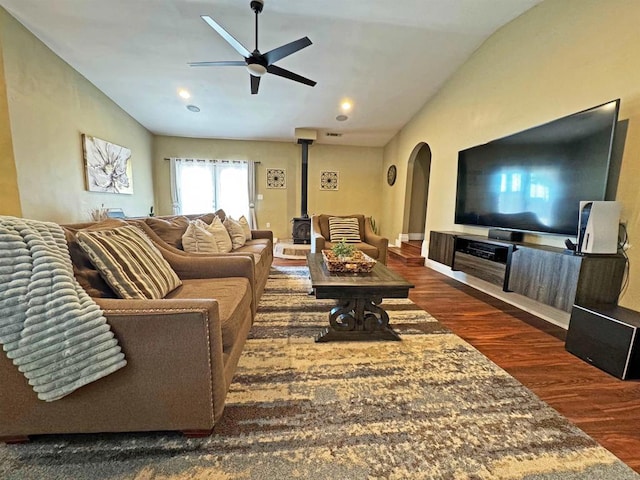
255, 83
230, 63
281, 72
241, 49
272, 56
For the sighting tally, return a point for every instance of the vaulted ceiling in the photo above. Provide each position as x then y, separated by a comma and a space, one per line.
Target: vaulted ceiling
387, 57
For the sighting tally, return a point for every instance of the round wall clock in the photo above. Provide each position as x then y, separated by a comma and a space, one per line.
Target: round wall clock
391, 175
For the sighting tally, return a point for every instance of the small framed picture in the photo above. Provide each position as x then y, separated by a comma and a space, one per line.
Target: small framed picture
329, 180
276, 178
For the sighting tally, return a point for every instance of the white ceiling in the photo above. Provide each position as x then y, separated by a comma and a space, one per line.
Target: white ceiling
388, 56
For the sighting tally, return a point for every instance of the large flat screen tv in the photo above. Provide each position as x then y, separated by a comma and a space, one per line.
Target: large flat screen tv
533, 181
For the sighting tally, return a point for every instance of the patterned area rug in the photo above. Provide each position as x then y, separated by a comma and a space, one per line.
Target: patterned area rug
428, 407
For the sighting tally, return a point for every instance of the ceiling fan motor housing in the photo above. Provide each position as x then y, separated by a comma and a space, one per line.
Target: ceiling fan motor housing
257, 5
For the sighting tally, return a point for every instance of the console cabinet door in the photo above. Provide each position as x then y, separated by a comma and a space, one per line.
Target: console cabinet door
601, 278
441, 247
546, 276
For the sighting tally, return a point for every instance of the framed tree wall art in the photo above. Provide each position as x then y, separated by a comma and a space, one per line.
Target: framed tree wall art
107, 166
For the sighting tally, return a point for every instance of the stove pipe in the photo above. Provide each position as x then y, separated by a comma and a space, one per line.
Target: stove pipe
305, 176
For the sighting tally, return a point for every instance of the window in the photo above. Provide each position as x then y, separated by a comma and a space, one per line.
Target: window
200, 186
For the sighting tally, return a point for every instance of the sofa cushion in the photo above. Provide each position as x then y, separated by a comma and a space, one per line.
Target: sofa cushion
220, 233
235, 232
129, 262
233, 295
169, 229
347, 229
198, 238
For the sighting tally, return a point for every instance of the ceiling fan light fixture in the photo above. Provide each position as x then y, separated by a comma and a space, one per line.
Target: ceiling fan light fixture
256, 69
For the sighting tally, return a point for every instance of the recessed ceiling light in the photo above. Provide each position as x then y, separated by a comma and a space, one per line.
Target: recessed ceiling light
193, 108
184, 93
342, 118
345, 105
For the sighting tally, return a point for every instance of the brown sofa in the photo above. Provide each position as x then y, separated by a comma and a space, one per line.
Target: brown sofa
182, 352
373, 245
168, 230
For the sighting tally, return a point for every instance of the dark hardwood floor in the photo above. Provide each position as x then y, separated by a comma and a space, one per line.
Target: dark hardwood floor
532, 351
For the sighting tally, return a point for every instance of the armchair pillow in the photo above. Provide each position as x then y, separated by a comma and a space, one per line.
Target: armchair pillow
198, 238
347, 229
129, 262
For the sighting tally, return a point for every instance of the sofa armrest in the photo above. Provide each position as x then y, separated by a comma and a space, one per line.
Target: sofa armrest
381, 243
194, 323
223, 265
262, 234
174, 378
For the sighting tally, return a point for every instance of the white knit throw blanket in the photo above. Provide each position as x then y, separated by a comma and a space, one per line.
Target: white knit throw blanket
50, 328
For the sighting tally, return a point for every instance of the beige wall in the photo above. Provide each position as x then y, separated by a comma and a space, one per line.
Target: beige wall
50, 105
360, 173
9, 195
561, 57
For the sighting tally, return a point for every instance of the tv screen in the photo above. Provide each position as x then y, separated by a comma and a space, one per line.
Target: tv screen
534, 180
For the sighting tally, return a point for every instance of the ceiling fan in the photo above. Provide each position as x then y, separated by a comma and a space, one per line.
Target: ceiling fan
258, 63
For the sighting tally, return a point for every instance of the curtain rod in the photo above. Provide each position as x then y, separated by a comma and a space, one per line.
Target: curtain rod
167, 159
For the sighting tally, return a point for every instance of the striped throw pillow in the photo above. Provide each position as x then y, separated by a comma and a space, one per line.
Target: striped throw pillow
346, 229
129, 262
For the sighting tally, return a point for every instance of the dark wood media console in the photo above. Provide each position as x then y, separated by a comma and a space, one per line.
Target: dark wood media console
546, 274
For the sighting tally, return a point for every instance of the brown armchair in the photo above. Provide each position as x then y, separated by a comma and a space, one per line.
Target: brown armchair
373, 245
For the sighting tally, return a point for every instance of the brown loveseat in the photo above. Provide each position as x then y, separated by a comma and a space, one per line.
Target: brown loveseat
373, 245
182, 352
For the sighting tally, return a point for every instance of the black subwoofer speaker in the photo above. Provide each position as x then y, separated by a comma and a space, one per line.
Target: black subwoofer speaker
606, 337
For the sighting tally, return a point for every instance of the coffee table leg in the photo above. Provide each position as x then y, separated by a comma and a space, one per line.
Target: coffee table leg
358, 319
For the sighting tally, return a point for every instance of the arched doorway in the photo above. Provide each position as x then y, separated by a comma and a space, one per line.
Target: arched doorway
417, 194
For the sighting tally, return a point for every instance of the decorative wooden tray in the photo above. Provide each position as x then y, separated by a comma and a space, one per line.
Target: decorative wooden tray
359, 262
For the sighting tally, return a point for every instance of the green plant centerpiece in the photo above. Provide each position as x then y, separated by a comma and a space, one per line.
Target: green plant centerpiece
346, 258
343, 250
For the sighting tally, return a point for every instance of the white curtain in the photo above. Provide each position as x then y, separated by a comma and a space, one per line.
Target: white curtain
251, 186
203, 185
175, 181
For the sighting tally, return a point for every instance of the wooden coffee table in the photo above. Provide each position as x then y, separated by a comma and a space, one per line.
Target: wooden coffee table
358, 315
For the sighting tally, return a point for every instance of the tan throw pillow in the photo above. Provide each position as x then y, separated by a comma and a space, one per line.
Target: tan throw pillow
347, 229
221, 235
236, 232
245, 227
198, 238
129, 262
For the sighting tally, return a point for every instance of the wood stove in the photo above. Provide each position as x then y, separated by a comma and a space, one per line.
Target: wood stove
301, 230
